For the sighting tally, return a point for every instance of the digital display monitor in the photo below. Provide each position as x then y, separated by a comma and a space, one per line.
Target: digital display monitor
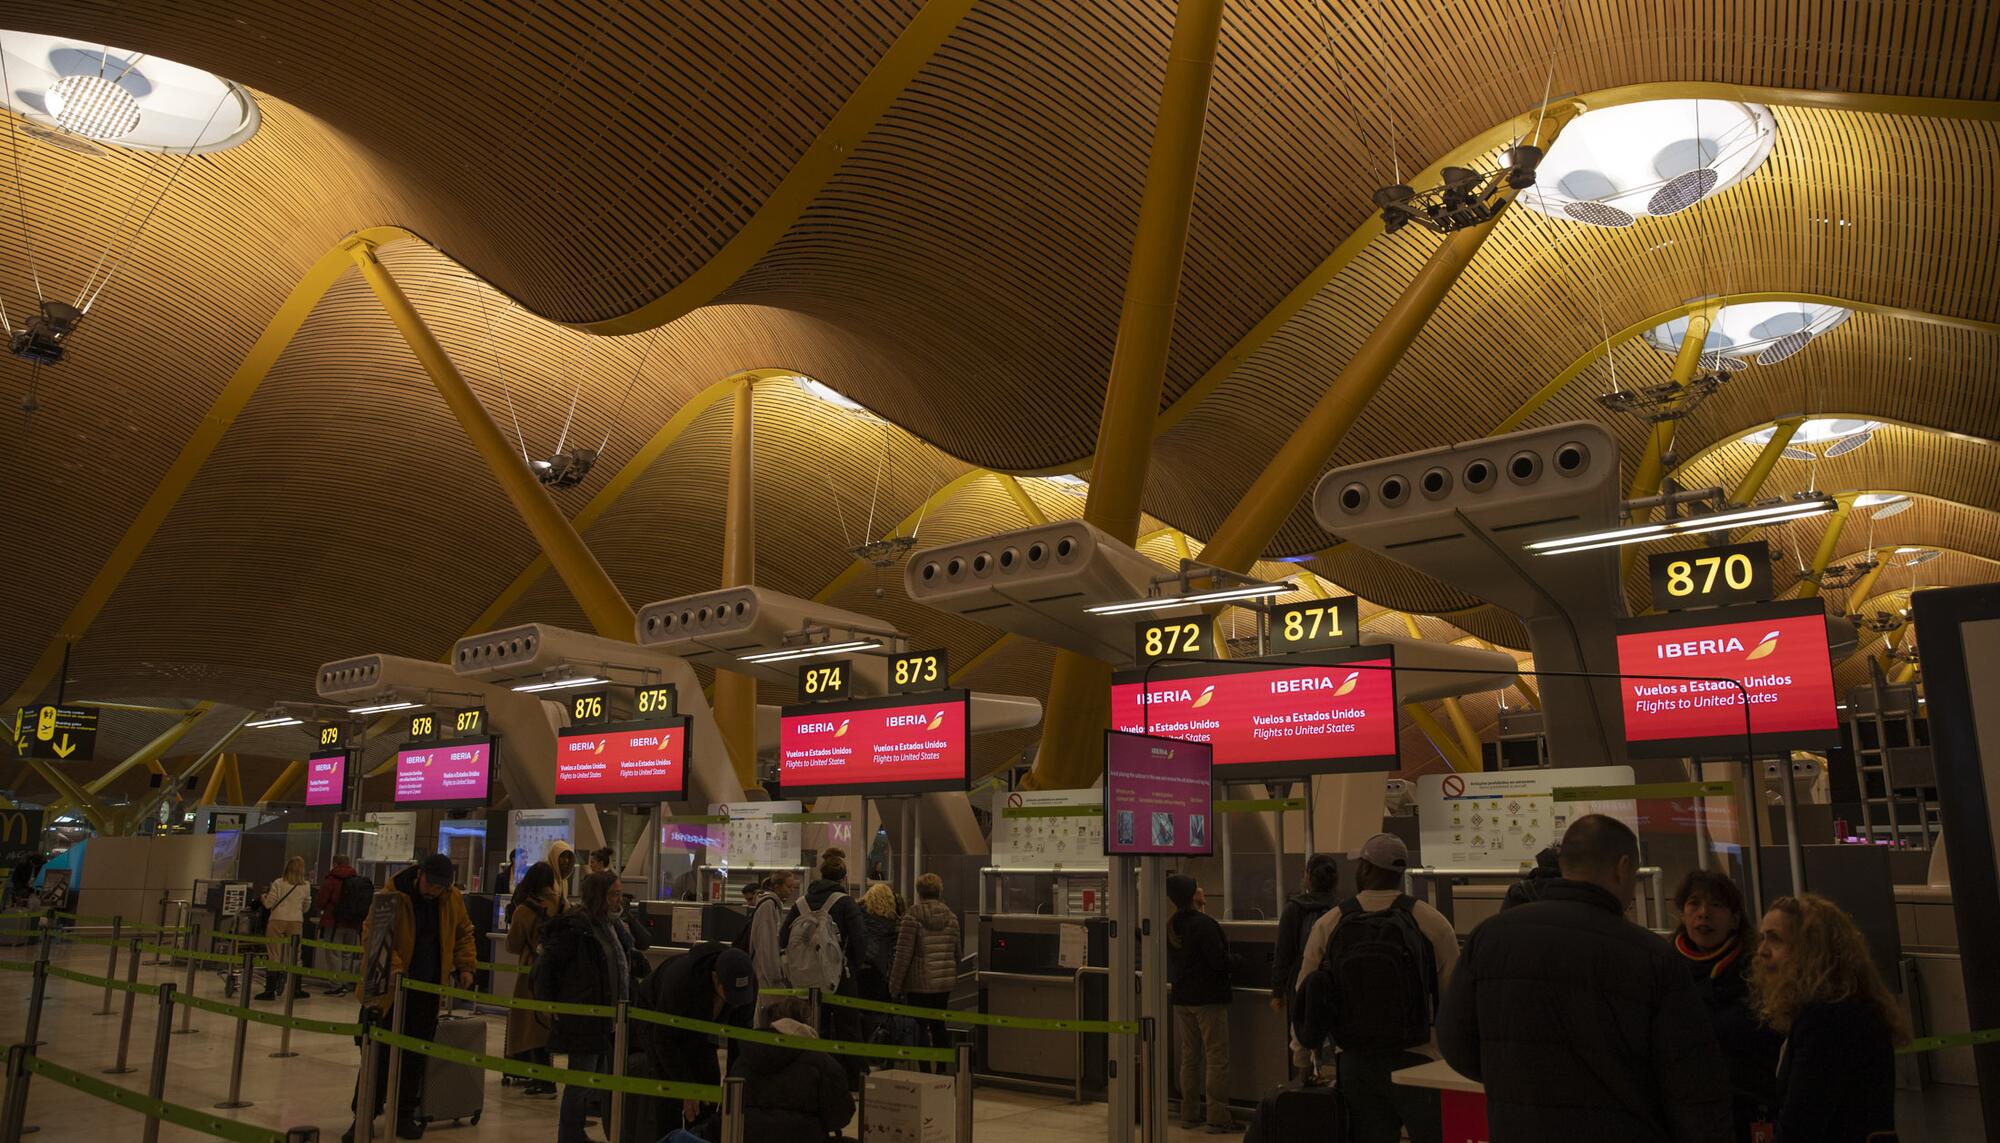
1778, 651
1159, 796
903, 744
454, 773
326, 779
1327, 713
626, 762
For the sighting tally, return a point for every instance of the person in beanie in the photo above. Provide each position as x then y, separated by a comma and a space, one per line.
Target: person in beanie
1199, 965
417, 927
1379, 1109
713, 982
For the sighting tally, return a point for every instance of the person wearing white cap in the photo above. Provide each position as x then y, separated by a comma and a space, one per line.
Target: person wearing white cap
1369, 980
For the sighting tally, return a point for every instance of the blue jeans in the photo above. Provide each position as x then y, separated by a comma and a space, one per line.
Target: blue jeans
578, 1102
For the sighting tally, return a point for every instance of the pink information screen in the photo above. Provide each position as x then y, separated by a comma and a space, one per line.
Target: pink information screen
630, 762
326, 779
445, 773
1680, 693
1270, 721
904, 744
1159, 796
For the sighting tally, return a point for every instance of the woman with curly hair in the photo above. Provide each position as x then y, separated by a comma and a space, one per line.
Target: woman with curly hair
1816, 984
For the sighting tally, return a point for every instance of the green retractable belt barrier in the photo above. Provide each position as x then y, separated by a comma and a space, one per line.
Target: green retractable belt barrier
332, 974
1651, 790
988, 1019
330, 946
214, 1126
630, 1085
802, 1043
188, 954
274, 1019
602, 1010
131, 986
1954, 1040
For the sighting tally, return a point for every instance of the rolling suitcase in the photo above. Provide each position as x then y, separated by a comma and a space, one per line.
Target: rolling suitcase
456, 1092
1296, 1111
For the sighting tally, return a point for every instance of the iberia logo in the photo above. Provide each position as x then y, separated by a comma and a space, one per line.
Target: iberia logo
842, 732
937, 720
666, 742
600, 747
1207, 695
1765, 646
1347, 684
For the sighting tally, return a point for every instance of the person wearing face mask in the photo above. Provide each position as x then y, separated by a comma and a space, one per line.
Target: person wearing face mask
1716, 943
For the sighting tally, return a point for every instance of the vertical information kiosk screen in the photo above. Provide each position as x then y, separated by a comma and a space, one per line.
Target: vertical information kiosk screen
1778, 651
903, 744
1331, 714
326, 779
1159, 796
627, 762
456, 773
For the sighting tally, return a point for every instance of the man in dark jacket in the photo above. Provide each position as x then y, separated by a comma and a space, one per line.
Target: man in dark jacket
855, 945
584, 961
712, 982
1199, 964
1581, 1024
1315, 898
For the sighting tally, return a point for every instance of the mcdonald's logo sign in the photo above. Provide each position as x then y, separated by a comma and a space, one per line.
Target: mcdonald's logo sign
20, 835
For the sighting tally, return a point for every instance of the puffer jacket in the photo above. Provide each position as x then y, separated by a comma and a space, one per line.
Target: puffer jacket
927, 945
791, 1096
574, 968
1583, 1025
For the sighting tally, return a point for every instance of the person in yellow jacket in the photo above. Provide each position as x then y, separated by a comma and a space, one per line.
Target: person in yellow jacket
416, 926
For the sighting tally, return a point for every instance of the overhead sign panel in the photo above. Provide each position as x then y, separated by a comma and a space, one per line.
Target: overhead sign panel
1329, 713
903, 744
326, 779
1159, 796
1711, 577
59, 732
456, 773
1316, 625
1681, 698
626, 762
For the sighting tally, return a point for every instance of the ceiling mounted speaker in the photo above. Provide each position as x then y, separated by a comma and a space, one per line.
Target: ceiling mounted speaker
1682, 191
1845, 445
1784, 347
1598, 214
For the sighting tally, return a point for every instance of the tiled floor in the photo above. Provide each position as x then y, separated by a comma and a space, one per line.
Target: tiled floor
313, 1088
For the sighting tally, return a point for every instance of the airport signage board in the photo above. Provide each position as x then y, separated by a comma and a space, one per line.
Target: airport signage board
1159, 796
1327, 713
58, 732
627, 762
450, 774
1777, 651
326, 779
901, 744
1711, 577
1315, 625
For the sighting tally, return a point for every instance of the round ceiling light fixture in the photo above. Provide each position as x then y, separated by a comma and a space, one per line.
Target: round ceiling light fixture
1616, 165
122, 98
1760, 332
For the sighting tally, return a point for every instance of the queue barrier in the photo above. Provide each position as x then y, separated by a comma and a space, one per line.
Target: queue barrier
984, 1019
333, 974
599, 1081
214, 1126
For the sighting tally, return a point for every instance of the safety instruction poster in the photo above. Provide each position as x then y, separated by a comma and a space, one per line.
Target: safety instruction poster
394, 839
1048, 829
754, 838
1501, 820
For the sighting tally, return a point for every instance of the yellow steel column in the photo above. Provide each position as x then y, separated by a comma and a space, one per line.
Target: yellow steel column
1428, 723
214, 787
1760, 469
1829, 542
101, 816
285, 782
1468, 738
736, 693
1651, 470
1030, 511
1300, 461
585, 577
1071, 751
233, 778
147, 755
1886, 657
1858, 594
1904, 673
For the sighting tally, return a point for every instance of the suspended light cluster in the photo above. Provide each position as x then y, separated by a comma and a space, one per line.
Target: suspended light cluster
1613, 166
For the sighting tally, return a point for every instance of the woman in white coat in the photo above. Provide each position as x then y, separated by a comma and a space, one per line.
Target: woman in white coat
286, 899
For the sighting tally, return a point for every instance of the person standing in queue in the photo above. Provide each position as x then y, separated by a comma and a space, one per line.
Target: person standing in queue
583, 961
1815, 983
562, 859
884, 922
1313, 900
417, 927
712, 982
534, 905
342, 905
1381, 959
767, 920
1581, 1024
828, 897
1199, 966
1716, 942
927, 946
286, 898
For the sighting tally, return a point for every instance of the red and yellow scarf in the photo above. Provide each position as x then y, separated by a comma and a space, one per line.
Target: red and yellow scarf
1718, 958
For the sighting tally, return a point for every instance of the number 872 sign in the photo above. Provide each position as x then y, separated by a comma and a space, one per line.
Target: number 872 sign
1711, 577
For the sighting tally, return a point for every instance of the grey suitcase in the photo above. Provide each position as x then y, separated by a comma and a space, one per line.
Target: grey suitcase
455, 1092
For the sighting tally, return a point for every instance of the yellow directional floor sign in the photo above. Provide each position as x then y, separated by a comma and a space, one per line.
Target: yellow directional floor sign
59, 732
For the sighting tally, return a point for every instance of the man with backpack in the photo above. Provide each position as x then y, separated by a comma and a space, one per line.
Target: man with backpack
824, 941
342, 905
1369, 982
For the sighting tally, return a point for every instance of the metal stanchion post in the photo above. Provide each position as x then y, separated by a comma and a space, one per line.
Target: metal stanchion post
125, 1022
111, 970
187, 1011
284, 1051
392, 1103
1144, 1088
732, 1110
962, 1092
614, 1118
364, 1089
11, 1128
302, 1135
236, 1099
35, 995
156, 1083
163, 928
812, 998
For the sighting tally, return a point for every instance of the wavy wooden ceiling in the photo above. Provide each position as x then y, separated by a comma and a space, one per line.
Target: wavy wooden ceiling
960, 273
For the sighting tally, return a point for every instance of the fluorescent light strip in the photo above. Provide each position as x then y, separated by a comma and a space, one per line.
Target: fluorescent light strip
557, 685
381, 708
1220, 595
1711, 526
792, 653
1615, 536
263, 724
1743, 517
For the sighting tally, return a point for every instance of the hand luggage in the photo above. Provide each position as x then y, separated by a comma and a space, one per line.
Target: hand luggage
455, 1091
1296, 1111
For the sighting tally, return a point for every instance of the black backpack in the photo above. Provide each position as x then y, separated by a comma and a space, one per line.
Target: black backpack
351, 908
1381, 978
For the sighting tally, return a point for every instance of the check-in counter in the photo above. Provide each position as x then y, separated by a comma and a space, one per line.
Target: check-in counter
684, 924
1022, 973
1929, 931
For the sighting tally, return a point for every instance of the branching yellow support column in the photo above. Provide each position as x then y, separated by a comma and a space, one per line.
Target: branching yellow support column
1904, 673
1071, 753
1030, 511
585, 577
232, 778
101, 816
1427, 723
736, 693
1829, 542
1760, 469
214, 787
147, 755
1647, 477
1886, 657
284, 783
1858, 594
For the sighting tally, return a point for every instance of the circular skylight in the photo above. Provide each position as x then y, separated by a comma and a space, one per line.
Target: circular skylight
1877, 499
1764, 332
1821, 430
1618, 164
123, 98
832, 396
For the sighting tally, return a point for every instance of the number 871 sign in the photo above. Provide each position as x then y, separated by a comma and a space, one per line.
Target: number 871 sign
1711, 577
